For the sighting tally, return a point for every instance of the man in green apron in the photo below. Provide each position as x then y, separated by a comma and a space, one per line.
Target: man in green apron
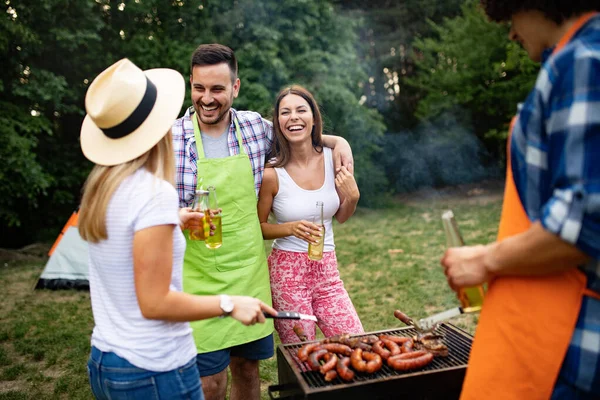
216, 145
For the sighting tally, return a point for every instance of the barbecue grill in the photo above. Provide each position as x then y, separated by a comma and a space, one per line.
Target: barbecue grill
441, 379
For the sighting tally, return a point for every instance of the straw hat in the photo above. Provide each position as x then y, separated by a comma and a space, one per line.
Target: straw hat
129, 111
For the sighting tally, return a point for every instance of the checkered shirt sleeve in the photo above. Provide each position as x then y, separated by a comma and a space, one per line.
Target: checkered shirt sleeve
257, 138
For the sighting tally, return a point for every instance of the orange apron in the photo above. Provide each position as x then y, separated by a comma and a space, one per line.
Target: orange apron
526, 324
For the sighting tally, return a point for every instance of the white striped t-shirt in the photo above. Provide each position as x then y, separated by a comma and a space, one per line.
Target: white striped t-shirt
141, 201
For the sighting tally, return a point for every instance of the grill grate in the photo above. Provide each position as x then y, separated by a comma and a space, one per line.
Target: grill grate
459, 346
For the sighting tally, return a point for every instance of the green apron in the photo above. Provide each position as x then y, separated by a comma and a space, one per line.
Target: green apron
239, 266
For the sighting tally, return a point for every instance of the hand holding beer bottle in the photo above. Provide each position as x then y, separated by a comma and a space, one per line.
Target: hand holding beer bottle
212, 216
196, 227
315, 251
471, 298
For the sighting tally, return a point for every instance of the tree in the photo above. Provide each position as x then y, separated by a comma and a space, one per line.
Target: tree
52, 49
471, 69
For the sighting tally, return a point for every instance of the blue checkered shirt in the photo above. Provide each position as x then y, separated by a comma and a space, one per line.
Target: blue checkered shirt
257, 137
555, 154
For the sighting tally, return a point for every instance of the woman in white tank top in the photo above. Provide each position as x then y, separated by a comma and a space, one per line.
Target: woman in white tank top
301, 174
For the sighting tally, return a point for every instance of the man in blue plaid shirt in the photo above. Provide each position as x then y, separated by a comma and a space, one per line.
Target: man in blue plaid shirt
555, 160
217, 145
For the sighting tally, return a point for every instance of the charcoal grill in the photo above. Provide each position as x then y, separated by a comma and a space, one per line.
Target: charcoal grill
441, 379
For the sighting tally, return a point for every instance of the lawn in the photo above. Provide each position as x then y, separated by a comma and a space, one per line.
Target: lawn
388, 259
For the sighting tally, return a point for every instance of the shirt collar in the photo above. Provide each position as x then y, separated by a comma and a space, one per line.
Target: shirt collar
189, 125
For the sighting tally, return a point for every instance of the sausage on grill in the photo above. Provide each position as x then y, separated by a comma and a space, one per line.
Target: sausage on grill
315, 357
365, 361
343, 369
337, 348
306, 350
407, 346
330, 363
379, 348
330, 375
408, 361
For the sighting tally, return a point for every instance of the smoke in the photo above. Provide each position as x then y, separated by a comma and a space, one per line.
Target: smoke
440, 152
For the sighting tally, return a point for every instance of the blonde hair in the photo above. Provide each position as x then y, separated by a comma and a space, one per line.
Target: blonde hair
103, 181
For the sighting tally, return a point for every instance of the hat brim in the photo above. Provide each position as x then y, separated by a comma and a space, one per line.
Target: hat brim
102, 150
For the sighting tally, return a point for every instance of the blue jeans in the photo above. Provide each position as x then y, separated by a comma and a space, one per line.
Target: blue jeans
114, 378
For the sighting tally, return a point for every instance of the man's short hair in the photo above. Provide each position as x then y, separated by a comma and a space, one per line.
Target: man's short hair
555, 10
213, 54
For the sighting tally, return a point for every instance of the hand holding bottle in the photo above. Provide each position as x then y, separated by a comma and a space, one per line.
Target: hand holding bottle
305, 230
464, 267
189, 219
249, 310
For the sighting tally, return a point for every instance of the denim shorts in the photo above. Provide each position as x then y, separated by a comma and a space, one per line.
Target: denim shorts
112, 377
216, 361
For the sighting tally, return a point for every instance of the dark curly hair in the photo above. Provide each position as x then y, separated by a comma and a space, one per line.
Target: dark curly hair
556, 10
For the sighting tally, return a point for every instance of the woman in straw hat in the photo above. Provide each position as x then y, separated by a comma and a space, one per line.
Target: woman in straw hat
142, 346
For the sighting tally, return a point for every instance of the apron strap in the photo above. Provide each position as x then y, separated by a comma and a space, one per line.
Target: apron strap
198, 136
573, 30
591, 293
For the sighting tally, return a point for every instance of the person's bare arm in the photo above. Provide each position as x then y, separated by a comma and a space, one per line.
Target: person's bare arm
348, 193
531, 253
153, 263
268, 190
342, 152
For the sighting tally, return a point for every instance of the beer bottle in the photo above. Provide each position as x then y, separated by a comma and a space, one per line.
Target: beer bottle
471, 298
315, 251
212, 214
196, 228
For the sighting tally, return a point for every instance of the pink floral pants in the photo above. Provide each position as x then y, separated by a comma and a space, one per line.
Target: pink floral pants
310, 287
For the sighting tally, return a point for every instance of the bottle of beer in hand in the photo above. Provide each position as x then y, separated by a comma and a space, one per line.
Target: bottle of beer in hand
196, 228
315, 251
212, 215
471, 298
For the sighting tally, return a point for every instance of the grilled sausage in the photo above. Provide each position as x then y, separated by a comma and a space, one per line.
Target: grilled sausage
343, 369
391, 346
315, 357
365, 361
337, 348
378, 347
407, 363
396, 339
411, 355
407, 346
330, 375
374, 362
306, 350
299, 331
330, 363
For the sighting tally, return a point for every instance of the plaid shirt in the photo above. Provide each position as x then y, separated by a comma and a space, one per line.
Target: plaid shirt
257, 137
555, 152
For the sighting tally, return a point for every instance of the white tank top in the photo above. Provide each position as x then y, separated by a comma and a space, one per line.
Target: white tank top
292, 203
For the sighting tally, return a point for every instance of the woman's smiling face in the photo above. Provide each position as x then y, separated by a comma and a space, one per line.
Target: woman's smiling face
295, 118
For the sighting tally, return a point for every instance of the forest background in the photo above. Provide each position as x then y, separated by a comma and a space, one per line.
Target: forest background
422, 89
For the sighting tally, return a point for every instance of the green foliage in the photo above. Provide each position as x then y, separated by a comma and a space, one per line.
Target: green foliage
470, 67
52, 49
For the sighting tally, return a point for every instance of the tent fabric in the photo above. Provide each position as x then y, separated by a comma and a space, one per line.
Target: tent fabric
67, 267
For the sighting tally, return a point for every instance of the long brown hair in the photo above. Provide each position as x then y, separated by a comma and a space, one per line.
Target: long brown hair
103, 181
280, 150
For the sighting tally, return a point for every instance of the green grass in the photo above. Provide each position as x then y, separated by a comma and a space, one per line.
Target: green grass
388, 259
